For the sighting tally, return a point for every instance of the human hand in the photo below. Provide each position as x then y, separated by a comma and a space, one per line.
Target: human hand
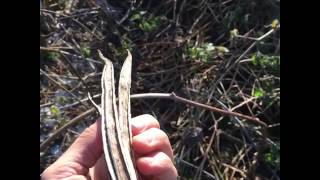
84, 159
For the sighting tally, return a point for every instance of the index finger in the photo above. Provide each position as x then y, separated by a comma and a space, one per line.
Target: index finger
142, 123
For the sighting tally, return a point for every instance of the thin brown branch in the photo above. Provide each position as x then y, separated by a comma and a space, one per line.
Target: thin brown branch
199, 170
214, 109
172, 96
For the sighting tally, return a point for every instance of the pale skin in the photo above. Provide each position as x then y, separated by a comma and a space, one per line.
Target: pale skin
84, 159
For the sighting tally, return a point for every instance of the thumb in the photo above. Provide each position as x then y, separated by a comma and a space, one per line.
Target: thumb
81, 155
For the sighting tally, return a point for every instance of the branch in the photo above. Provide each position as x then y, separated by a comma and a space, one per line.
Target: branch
53, 49
72, 122
259, 38
171, 96
62, 87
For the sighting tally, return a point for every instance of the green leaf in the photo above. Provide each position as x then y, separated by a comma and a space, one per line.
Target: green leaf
268, 157
136, 16
254, 59
62, 100
145, 26
275, 23
63, 121
234, 33
258, 93
86, 51
210, 47
203, 52
266, 61
53, 56
222, 49
273, 157
54, 110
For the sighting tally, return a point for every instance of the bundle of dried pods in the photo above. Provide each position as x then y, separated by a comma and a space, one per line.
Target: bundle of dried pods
115, 126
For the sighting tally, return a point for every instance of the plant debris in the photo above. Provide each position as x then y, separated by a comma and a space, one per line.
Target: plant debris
221, 53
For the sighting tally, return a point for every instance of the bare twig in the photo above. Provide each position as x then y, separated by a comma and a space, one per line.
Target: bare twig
130, 9
191, 165
72, 122
46, 104
180, 12
199, 170
197, 20
62, 87
259, 38
172, 96
214, 109
235, 170
67, 53
76, 72
82, 100
87, 29
238, 60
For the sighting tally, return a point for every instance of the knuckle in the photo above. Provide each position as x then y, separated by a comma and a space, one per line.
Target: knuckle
151, 118
160, 141
159, 134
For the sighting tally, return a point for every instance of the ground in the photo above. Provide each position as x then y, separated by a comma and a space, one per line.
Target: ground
224, 54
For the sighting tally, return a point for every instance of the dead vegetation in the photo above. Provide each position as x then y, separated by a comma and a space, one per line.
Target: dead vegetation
224, 54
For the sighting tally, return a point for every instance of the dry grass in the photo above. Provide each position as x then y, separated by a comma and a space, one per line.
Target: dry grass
206, 51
